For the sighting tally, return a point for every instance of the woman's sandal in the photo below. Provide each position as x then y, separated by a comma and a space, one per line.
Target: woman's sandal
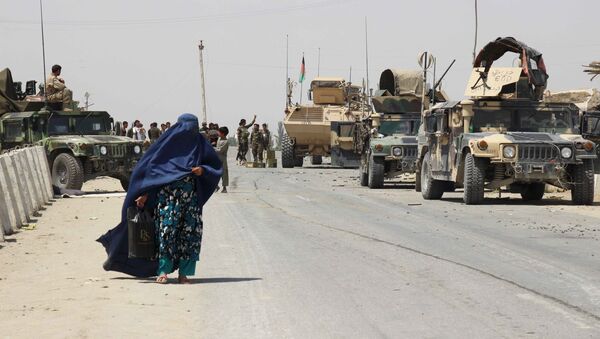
183, 280
162, 279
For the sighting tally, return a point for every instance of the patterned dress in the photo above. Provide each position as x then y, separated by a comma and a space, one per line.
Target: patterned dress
178, 225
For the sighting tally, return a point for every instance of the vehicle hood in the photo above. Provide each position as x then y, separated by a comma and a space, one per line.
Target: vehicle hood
525, 137
93, 139
395, 140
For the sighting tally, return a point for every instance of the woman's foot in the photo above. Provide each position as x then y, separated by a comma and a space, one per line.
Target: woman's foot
162, 279
224, 190
183, 279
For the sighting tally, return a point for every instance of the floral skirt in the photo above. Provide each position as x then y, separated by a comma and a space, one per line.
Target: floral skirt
178, 221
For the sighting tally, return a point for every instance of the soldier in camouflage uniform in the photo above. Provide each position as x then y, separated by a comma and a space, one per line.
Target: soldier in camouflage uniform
242, 137
266, 137
257, 144
56, 91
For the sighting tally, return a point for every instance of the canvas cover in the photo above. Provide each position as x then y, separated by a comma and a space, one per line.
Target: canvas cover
585, 99
401, 82
8, 97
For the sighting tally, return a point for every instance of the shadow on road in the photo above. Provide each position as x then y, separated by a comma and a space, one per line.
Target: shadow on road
192, 280
517, 202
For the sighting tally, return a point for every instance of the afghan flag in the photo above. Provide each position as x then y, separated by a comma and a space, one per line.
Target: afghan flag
302, 71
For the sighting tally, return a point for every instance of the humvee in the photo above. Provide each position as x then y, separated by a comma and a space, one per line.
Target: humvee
79, 144
325, 128
505, 136
387, 139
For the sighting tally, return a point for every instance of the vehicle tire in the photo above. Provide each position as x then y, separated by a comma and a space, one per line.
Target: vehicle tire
287, 152
363, 173
67, 172
316, 159
124, 184
376, 172
582, 189
474, 179
431, 189
299, 161
532, 192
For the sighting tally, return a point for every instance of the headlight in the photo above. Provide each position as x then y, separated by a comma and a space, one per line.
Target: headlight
509, 151
137, 149
103, 150
566, 152
397, 151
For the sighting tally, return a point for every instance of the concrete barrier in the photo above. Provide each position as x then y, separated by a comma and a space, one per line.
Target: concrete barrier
597, 187
25, 187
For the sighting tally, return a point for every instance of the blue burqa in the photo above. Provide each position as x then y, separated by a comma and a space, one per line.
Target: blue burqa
169, 159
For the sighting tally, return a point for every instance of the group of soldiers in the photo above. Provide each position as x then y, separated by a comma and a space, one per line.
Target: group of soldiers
259, 139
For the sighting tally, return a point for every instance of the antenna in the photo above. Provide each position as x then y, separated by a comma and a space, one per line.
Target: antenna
43, 50
476, 24
201, 48
367, 56
287, 71
319, 63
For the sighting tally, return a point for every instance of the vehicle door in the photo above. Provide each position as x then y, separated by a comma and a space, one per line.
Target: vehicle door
590, 129
440, 142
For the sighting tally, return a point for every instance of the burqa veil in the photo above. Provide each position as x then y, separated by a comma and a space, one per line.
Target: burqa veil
169, 159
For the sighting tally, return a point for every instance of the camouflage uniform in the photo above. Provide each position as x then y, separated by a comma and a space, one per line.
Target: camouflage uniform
242, 136
56, 91
257, 145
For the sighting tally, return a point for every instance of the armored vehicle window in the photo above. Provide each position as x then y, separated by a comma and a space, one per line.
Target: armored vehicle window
591, 125
89, 125
13, 129
346, 130
544, 121
58, 125
403, 127
485, 120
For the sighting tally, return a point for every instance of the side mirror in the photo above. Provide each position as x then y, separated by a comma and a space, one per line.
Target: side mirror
25, 125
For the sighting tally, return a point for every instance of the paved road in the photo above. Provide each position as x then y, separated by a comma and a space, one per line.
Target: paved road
308, 253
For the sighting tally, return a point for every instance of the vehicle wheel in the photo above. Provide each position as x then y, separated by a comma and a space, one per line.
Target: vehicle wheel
376, 172
533, 191
316, 159
474, 179
299, 161
67, 172
582, 189
287, 152
364, 173
431, 189
124, 184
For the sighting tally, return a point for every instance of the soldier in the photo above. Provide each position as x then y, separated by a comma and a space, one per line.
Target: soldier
204, 128
266, 137
213, 134
242, 136
257, 144
221, 149
56, 91
123, 131
131, 130
153, 132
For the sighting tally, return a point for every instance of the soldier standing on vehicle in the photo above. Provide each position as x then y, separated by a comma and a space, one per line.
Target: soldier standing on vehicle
266, 137
131, 130
257, 144
123, 131
242, 136
153, 132
56, 91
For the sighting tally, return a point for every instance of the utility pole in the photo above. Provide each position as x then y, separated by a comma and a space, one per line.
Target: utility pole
319, 63
201, 47
43, 50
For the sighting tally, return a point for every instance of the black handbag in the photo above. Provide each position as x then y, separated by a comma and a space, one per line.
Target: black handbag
141, 233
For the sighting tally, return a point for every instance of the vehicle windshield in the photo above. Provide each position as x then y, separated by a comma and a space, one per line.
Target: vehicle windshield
403, 127
523, 120
89, 125
58, 125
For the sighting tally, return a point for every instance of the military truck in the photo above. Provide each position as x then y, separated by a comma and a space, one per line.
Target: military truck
325, 128
78, 143
387, 139
505, 136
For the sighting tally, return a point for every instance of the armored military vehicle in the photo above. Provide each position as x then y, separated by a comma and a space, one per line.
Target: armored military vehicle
325, 128
505, 136
79, 144
387, 139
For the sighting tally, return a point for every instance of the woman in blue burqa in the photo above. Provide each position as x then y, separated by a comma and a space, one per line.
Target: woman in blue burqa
174, 178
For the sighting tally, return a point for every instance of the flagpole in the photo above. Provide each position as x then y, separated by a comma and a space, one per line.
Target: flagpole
302, 82
319, 64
